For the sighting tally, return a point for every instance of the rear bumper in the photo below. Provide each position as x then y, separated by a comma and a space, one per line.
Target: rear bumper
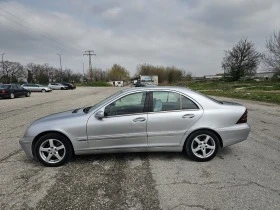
4, 95
26, 145
234, 134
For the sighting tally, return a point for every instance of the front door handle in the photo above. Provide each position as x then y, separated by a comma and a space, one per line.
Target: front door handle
188, 116
139, 119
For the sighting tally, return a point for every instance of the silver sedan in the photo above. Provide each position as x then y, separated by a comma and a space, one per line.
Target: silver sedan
36, 88
139, 120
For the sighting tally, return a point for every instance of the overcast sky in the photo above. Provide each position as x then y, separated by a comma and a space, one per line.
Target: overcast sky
189, 34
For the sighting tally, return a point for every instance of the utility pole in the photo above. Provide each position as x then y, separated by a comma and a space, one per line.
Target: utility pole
84, 71
3, 63
60, 67
89, 53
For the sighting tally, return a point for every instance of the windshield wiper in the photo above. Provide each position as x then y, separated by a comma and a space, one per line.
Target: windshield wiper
86, 109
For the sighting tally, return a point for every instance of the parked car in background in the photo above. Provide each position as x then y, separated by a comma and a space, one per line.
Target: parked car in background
57, 86
69, 85
36, 88
12, 90
170, 119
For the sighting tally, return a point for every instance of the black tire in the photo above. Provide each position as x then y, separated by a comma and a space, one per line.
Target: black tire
205, 151
12, 96
43, 90
58, 140
61, 88
28, 94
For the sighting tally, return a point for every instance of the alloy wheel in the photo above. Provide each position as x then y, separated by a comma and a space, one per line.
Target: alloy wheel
52, 151
203, 146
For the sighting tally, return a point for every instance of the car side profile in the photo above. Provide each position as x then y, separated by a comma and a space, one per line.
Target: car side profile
12, 91
146, 119
36, 88
70, 86
57, 86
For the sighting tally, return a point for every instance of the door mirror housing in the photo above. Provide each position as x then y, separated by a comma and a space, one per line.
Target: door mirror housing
99, 115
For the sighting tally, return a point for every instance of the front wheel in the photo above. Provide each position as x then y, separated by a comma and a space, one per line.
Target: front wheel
202, 145
28, 94
43, 90
53, 150
12, 96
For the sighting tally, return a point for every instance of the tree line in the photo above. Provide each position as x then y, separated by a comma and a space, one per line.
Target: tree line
15, 72
240, 61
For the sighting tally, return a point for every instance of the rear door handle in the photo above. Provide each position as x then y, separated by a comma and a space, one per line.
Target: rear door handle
188, 116
139, 119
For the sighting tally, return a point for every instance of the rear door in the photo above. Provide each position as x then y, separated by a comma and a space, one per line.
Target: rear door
170, 116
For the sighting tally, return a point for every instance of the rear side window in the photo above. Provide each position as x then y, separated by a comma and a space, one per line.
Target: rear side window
188, 104
168, 101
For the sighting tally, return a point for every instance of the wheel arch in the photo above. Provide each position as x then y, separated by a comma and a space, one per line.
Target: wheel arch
49, 132
208, 129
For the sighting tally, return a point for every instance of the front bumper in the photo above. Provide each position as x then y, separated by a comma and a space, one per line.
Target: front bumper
234, 134
26, 144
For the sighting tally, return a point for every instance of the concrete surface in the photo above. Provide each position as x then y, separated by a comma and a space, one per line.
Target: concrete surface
243, 176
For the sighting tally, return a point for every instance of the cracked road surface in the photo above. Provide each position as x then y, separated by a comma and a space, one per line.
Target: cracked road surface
243, 176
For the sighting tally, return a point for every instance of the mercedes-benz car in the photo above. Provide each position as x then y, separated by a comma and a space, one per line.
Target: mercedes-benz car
36, 87
146, 119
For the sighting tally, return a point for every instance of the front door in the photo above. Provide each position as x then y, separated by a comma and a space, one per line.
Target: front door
172, 115
124, 126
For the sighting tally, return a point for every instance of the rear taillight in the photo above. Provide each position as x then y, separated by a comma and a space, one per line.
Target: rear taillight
2, 91
243, 118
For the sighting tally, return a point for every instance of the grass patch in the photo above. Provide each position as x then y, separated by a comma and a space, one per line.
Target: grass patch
258, 91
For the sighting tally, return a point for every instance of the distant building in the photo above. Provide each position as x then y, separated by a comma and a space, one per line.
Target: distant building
264, 75
116, 83
213, 77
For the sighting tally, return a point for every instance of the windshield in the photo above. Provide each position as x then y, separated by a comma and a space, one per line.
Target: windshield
88, 109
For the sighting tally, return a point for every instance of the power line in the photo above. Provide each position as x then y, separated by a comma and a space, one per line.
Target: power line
45, 35
30, 30
27, 36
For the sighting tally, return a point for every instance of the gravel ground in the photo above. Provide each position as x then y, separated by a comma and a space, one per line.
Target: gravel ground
243, 176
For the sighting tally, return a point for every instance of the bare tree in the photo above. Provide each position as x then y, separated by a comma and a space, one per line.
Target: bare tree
242, 60
12, 72
272, 56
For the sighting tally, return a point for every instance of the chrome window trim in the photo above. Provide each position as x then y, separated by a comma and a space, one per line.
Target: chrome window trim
182, 94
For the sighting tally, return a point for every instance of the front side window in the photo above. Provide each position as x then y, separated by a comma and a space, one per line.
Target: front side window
130, 104
168, 101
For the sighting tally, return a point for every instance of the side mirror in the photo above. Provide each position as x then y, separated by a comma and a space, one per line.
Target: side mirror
99, 115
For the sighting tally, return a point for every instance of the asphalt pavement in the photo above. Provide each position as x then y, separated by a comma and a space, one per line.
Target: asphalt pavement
243, 176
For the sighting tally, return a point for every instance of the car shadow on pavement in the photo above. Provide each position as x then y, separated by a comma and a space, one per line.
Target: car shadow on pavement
168, 156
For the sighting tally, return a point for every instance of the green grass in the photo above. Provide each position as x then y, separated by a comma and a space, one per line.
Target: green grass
258, 91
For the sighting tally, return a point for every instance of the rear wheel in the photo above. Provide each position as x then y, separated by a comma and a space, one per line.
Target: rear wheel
53, 150
28, 94
12, 96
202, 145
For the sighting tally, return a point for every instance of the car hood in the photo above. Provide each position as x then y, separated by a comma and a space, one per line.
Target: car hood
66, 115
